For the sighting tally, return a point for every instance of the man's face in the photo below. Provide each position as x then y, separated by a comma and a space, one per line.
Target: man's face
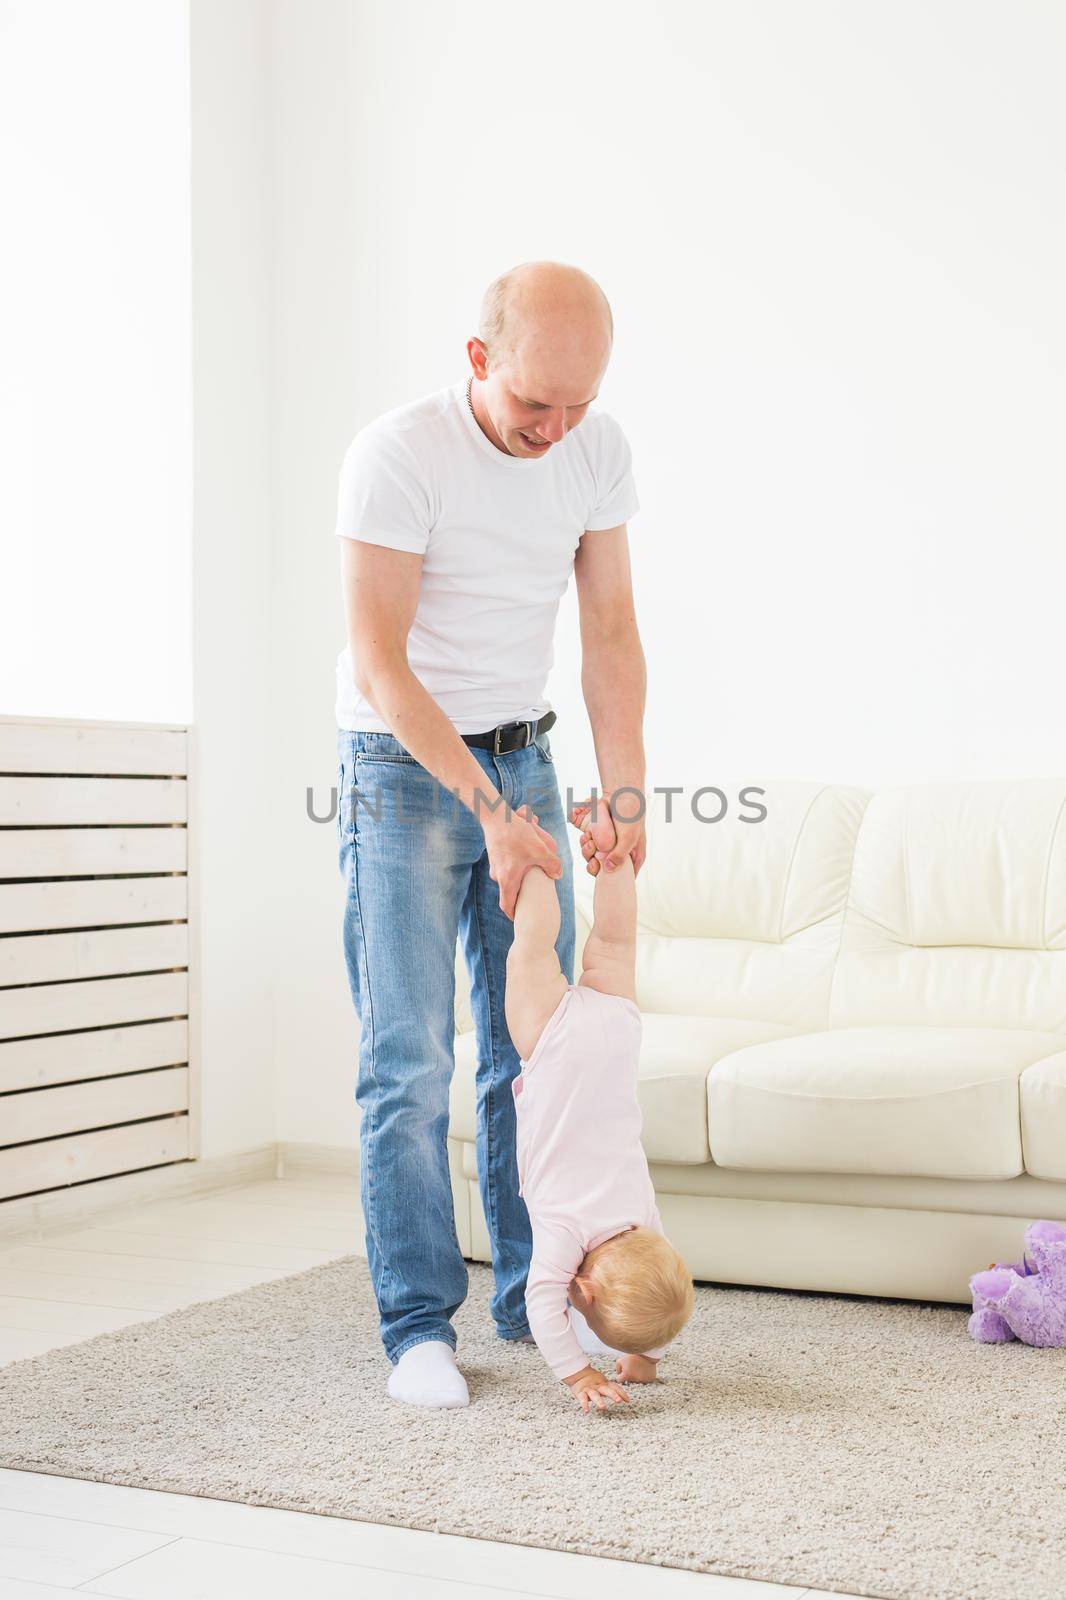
533, 403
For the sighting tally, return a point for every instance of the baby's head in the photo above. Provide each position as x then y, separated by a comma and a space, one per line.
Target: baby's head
634, 1290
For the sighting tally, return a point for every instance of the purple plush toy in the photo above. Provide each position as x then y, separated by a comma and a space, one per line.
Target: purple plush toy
1026, 1300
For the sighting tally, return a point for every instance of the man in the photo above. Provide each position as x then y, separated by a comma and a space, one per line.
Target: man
461, 517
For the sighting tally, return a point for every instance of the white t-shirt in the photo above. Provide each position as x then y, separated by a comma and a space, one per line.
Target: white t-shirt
497, 535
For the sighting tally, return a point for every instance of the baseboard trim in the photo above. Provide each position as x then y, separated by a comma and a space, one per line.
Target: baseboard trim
37, 1216
294, 1158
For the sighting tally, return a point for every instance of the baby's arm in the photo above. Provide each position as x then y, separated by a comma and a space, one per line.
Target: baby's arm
556, 1257
643, 1368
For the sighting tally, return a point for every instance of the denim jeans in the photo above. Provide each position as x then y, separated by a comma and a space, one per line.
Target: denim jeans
416, 873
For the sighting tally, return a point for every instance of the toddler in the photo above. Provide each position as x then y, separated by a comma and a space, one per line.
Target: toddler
598, 1242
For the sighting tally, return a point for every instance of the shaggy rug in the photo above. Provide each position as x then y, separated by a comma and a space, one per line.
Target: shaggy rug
857, 1445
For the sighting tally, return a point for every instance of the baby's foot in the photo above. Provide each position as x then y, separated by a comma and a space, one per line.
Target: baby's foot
598, 836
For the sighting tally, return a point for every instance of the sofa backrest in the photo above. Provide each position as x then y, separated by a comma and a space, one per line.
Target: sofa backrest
741, 918
957, 910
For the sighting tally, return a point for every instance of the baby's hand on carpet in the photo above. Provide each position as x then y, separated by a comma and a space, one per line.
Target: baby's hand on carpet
636, 1369
592, 1385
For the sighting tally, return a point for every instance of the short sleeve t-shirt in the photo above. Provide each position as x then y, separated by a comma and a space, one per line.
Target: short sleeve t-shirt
497, 535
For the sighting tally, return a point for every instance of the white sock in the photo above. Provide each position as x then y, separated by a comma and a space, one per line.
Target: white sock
426, 1375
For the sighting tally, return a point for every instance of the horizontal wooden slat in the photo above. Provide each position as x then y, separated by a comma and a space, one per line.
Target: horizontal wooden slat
30, 1168
63, 747
67, 1057
44, 1113
25, 906
47, 802
78, 852
100, 1002
95, 953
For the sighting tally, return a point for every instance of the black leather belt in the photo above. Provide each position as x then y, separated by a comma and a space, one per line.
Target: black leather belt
509, 735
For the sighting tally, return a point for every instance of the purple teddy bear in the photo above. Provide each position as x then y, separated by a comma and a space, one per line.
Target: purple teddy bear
1025, 1300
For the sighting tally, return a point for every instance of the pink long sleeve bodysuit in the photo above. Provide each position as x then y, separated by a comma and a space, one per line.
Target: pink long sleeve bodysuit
581, 1167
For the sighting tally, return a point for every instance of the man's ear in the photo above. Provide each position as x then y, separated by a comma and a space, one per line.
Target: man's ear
479, 358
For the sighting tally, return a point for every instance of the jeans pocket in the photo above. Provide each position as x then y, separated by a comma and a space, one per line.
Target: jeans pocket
542, 745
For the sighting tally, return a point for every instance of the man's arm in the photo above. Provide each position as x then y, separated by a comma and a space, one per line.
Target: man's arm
613, 676
381, 587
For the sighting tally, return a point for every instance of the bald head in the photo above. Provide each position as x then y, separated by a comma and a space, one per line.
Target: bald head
544, 341
545, 304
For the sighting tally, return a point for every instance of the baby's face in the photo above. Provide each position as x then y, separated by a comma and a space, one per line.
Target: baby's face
588, 1311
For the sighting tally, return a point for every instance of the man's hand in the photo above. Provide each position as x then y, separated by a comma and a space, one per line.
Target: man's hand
636, 1369
630, 837
590, 1384
516, 841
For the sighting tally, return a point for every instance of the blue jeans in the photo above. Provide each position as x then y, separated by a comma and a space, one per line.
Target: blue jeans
416, 873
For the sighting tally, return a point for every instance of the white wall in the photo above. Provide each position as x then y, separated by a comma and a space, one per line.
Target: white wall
828, 236
836, 277
95, 376
240, 922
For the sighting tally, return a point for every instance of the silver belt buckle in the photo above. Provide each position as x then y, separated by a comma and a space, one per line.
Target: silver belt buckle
496, 737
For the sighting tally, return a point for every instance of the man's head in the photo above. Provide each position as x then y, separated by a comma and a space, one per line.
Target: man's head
544, 341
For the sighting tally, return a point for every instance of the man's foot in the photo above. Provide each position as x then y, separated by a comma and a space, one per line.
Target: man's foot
426, 1375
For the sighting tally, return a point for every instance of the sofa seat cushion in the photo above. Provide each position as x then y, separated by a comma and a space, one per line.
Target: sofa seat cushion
900, 1101
1043, 1093
677, 1052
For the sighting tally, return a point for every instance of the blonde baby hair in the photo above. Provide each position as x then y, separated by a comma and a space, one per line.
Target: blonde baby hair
644, 1291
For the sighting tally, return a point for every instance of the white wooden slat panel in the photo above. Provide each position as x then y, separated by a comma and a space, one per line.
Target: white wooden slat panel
77, 852
44, 1113
48, 802
28, 1169
68, 747
67, 1057
94, 943
94, 953
91, 904
101, 1002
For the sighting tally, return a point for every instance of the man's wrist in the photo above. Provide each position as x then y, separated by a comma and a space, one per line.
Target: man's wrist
494, 817
627, 785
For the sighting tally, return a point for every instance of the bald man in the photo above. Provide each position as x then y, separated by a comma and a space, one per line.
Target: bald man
461, 517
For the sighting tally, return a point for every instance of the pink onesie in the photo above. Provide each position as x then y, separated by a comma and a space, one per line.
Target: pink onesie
581, 1166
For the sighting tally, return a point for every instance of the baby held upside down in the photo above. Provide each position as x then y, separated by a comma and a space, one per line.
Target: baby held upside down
598, 1242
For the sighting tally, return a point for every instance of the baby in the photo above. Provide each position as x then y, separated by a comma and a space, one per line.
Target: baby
598, 1242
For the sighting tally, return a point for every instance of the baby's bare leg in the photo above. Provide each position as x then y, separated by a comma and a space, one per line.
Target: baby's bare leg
610, 955
535, 981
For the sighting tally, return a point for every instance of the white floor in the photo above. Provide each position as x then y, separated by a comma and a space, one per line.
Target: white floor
60, 1536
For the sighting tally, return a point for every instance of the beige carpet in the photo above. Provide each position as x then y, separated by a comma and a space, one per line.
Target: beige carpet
864, 1446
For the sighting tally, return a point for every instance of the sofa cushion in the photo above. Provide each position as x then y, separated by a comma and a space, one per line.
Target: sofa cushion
904, 1101
1043, 1095
676, 1055
956, 911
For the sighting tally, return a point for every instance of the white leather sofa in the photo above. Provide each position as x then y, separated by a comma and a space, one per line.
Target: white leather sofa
854, 1064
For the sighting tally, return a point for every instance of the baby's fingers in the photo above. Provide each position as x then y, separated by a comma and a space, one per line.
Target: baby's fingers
609, 1391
